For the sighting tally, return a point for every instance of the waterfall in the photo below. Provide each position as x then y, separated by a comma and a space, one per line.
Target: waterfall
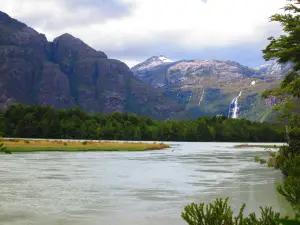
234, 107
201, 98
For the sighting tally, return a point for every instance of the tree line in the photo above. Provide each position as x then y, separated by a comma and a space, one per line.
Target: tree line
45, 122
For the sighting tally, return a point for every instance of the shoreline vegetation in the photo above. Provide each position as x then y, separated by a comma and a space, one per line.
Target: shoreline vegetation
28, 145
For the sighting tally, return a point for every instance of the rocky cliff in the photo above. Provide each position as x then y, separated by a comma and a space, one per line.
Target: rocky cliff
67, 72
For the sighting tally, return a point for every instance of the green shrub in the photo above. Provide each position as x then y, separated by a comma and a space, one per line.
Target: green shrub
260, 160
290, 189
3, 148
220, 213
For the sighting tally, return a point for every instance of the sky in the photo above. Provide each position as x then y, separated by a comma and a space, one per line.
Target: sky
134, 30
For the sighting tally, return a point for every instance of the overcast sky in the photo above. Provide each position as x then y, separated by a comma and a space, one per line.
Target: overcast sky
134, 30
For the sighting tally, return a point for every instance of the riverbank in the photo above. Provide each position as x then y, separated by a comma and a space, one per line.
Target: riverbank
257, 146
27, 145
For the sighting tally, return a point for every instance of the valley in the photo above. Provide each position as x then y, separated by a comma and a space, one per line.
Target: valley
67, 73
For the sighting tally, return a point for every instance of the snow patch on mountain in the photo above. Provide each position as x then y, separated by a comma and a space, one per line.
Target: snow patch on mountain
275, 69
164, 59
152, 62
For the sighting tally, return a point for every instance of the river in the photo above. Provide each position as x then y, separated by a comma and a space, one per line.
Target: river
130, 188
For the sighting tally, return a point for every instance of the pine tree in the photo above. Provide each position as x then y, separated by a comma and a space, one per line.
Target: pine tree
285, 49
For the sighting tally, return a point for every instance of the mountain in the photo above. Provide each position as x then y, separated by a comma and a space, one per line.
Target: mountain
67, 72
154, 63
275, 69
214, 87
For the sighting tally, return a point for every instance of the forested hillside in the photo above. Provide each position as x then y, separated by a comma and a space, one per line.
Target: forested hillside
46, 122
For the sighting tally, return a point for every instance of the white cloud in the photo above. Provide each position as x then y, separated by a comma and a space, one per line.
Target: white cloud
187, 25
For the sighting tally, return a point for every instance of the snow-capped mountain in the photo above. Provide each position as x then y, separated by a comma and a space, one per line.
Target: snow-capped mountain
155, 63
152, 62
275, 69
160, 73
208, 87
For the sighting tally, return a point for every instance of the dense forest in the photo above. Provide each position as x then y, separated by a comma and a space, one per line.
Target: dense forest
45, 122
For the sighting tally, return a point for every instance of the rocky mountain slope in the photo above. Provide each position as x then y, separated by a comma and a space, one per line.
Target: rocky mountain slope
67, 72
214, 87
275, 69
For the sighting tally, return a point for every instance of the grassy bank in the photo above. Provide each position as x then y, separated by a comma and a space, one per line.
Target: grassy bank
257, 146
18, 145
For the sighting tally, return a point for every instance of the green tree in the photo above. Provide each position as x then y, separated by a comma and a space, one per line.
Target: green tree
286, 49
203, 131
46, 122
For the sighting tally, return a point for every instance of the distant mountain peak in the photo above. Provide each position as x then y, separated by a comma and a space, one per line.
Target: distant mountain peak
164, 58
67, 37
273, 68
152, 62
160, 58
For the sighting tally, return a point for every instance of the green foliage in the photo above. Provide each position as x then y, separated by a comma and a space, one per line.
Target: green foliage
2, 147
291, 191
219, 213
290, 222
285, 49
273, 160
45, 122
287, 159
260, 160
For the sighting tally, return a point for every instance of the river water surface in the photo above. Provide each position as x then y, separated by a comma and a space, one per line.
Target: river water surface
130, 188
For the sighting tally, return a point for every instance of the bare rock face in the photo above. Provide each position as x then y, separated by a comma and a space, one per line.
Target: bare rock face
67, 72
67, 50
23, 66
17, 74
53, 88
